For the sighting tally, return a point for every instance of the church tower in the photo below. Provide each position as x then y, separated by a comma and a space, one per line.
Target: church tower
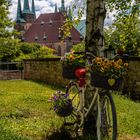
20, 22
62, 8
28, 14
25, 17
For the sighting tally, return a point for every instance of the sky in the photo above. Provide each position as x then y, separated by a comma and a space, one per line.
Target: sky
45, 6
41, 6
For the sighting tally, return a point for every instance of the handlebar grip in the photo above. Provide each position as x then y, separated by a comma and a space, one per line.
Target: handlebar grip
82, 52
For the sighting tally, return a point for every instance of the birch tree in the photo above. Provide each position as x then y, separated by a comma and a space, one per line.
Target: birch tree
94, 41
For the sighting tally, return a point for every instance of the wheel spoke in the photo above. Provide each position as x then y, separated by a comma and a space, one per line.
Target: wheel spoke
108, 117
74, 117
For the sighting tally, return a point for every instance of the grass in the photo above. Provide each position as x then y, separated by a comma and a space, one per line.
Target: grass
25, 113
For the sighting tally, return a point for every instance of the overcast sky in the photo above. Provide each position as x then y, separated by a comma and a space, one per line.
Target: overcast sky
44, 6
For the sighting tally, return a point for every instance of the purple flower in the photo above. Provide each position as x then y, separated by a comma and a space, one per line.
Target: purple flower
66, 95
55, 97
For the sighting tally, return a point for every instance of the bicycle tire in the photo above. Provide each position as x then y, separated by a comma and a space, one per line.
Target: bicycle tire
108, 128
73, 91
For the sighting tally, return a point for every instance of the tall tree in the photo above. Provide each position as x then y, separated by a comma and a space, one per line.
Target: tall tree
8, 45
96, 13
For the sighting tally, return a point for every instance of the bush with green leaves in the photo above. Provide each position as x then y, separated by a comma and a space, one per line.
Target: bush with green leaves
78, 47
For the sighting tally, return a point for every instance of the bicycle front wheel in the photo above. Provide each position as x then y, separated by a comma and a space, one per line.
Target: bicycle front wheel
73, 92
108, 127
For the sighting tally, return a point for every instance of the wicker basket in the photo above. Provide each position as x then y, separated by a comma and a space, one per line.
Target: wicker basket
68, 71
98, 80
66, 110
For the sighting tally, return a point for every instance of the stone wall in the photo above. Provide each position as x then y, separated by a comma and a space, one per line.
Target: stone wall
48, 70
8, 75
132, 82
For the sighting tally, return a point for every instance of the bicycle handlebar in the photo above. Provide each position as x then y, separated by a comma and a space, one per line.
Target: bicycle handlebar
91, 54
86, 53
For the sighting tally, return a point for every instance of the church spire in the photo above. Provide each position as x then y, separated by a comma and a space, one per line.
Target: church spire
19, 13
26, 8
33, 8
55, 8
62, 6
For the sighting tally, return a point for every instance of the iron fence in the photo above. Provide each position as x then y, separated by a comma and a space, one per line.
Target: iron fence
11, 66
11, 70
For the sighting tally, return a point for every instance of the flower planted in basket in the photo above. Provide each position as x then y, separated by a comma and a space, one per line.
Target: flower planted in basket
70, 63
108, 74
61, 103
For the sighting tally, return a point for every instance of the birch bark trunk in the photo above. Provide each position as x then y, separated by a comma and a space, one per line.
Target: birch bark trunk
96, 13
94, 25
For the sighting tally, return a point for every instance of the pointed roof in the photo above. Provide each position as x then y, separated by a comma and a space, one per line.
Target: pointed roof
70, 13
81, 27
33, 8
19, 17
51, 30
26, 8
62, 6
55, 8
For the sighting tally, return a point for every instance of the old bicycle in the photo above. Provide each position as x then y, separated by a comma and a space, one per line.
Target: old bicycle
101, 102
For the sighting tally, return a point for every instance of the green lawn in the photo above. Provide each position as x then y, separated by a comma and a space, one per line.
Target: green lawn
25, 112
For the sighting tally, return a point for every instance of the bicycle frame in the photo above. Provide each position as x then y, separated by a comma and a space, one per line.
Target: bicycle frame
95, 104
86, 111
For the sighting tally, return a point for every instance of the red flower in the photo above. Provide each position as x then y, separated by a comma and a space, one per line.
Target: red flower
120, 52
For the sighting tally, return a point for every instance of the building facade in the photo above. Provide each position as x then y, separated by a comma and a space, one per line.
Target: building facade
45, 30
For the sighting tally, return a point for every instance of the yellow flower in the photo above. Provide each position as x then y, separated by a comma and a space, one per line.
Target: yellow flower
71, 57
126, 64
102, 70
119, 61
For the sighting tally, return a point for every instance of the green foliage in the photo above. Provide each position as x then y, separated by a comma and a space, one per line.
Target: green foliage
13, 50
78, 47
9, 49
5, 22
8, 45
65, 30
124, 34
44, 52
27, 48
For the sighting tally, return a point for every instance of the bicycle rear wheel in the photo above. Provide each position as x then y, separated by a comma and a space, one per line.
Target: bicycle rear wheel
73, 118
108, 126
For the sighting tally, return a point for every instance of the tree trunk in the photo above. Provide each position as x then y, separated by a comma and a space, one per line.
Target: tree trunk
94, 25
94, 42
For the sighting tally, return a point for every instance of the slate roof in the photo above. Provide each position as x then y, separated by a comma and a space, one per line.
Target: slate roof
48, 25
81, 27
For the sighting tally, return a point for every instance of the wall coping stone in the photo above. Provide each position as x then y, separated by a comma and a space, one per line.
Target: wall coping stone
42, 59
132, 58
